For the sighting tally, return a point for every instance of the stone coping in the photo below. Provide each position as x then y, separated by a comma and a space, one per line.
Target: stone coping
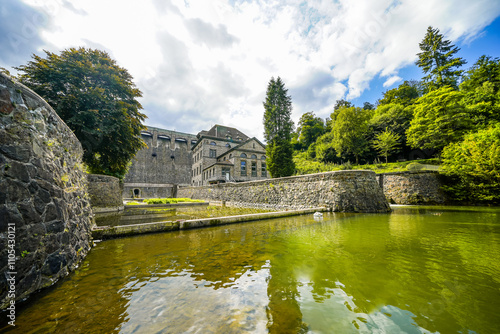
109, 232
295, 178
169, 205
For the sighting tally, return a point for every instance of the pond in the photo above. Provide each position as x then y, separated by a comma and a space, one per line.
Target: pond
150, 214
416, 270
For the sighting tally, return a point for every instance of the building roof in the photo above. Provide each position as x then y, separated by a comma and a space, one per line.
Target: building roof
225, 132
224, 163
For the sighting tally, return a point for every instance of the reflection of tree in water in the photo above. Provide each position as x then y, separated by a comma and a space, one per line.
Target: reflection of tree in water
283, 311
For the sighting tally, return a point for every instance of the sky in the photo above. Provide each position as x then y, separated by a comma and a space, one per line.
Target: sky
199, 63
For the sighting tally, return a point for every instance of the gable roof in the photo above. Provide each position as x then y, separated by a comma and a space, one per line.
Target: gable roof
238, 147
223, 132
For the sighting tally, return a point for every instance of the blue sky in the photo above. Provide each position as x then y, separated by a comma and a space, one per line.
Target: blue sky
200, 63
485, 43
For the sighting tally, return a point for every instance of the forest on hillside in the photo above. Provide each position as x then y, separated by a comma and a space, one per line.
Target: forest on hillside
452, 115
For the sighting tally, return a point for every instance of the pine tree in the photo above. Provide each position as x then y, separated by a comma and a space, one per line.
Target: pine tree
438, 62
278, 128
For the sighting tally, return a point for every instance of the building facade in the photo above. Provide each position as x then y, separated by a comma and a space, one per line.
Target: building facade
166, 163
225, 154
173, 159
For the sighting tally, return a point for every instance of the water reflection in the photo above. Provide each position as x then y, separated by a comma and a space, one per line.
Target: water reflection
409, 271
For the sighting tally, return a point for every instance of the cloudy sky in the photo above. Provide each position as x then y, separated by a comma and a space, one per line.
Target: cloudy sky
200, 63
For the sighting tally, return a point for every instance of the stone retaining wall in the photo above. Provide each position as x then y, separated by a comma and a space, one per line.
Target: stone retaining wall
412, 187
45, 214
345, 191
105, 191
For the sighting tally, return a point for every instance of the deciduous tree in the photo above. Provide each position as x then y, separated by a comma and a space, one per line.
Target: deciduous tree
97, 100
439, 119
350, 131
474, 166
386, 142
309, 129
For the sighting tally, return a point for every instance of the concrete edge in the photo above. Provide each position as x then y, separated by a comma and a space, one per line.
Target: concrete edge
170, 205
109, 232
98, 209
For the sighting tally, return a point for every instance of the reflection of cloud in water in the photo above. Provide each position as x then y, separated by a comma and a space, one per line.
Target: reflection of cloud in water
185, 304
339, 314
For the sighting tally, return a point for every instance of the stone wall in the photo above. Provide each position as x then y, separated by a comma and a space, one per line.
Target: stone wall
412, 187
105, 191
345, 191
166, 162
45, 214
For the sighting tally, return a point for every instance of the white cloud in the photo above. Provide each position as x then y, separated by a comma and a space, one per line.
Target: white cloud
205, 62
392, 80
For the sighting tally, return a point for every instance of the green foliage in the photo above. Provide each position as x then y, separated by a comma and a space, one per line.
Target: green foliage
414, 167
279, 158
395, 118
278, 127
405, 94
97, 99
386, 142
439, 119
309, 129
278, 111
171, 200
438, 62
481, 87
474, 166
350, 130
339, 104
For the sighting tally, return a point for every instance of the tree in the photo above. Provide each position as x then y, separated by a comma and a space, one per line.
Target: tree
350, 131
386, 142
474, 166
280, 158
392, 117
437, 61
481, 87
342, 104
439, 119
485, 69
405, 94
368, 106
278, 128
278, 111
97, 100
309, 129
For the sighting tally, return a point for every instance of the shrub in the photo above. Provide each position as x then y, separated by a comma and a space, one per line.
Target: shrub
474, 167
170, 200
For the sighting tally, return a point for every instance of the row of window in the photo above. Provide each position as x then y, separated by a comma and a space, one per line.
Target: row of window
243, 169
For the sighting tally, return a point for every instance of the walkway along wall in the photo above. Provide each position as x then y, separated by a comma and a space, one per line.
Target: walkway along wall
344, 191
45, 214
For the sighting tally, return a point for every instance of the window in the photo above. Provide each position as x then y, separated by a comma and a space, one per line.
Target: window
213, 143
254, 156
263, 170
226, 173
228, 145
243, 155
213, 154
263, 157
254, 169
243, 168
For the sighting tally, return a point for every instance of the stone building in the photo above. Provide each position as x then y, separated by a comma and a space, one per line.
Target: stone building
166, 163
225, 154
173, 159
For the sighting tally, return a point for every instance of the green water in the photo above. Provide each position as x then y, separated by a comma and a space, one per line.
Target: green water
415, 270
145, 214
